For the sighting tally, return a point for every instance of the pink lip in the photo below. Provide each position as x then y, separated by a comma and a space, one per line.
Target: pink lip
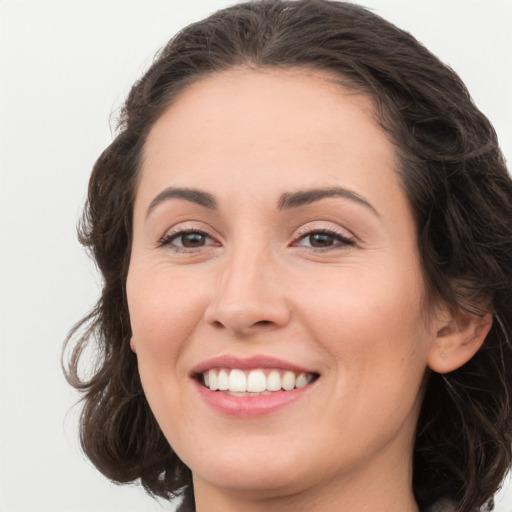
250, 406
248, 363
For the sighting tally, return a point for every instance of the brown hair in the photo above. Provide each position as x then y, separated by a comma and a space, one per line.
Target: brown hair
455, 178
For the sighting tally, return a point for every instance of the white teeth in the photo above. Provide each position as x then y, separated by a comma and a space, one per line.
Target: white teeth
241, 383
256, 381
223, 381
288, 381
274, 381
301, 381
212, 377
237, 381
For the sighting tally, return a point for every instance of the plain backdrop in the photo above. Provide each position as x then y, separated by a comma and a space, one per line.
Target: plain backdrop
65, 68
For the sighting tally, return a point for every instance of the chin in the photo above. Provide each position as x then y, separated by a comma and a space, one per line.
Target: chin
247, 480
260, 471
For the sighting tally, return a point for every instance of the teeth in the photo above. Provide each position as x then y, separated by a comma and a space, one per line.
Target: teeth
301, 380
222, 381
256, 381
237, 381
212, 377
247, 383
288, 381
274, 381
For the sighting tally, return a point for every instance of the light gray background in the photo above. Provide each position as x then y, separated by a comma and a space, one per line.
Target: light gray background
65, 66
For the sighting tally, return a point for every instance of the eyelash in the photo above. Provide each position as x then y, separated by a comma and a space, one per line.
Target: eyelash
168, 239
341, 239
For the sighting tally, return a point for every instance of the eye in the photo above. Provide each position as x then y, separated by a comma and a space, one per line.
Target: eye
186, 240
323, 240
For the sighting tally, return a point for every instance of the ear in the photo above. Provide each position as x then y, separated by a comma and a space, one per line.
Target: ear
458, 338
132, 345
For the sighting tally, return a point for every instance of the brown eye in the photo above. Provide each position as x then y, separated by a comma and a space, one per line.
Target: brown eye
183, 240
192, 239
321, 240
324, 240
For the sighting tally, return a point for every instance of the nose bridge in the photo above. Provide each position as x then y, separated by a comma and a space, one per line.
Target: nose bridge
248, 295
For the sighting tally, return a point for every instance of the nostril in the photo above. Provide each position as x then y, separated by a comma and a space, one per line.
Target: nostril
260, 323
263, 322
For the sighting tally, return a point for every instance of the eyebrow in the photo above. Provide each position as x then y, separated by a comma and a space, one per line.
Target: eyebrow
189, 194
286, 201
305, 197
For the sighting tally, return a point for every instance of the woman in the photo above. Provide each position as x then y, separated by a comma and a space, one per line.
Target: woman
305, 228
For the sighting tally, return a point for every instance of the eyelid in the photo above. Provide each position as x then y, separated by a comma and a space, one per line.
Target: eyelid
325, 226
165, 241
345, 237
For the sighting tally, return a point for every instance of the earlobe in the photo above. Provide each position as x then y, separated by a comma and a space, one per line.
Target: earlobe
458, 340
132, 345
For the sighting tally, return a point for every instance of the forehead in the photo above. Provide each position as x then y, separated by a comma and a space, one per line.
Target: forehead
255, 99
295, 127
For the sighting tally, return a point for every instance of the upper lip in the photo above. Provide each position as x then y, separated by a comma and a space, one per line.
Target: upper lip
248, 363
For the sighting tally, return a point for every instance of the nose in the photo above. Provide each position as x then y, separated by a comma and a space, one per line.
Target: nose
250, 297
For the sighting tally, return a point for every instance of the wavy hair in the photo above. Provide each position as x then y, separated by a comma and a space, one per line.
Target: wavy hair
457, 183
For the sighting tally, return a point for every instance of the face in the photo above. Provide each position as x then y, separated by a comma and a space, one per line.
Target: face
275, 257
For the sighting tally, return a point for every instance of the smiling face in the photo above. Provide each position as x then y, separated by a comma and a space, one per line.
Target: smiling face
274, 248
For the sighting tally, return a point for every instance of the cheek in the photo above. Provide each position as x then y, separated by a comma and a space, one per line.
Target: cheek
369, 317
163, 313
371, 326
162, 322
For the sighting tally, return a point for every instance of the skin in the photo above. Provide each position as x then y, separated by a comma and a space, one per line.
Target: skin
255, 285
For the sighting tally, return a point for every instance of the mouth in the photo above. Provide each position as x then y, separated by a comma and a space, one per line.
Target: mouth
254, 382
251, 387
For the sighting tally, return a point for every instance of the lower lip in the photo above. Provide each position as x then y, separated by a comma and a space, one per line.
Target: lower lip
250, 406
